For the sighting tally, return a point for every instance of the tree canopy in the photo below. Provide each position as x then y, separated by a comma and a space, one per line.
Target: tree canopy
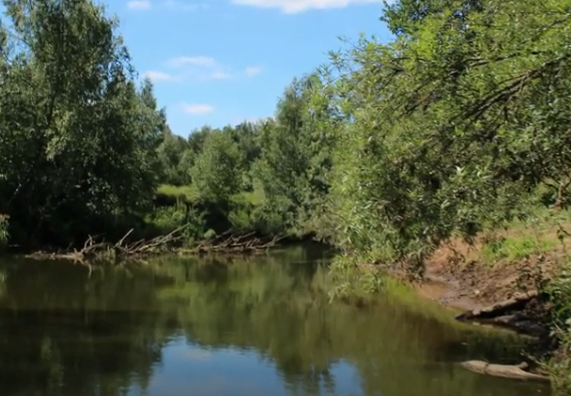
390, 149
78, 137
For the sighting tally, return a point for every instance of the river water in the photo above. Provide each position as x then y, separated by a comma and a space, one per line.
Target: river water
263, 326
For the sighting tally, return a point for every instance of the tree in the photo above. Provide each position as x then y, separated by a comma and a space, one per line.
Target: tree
296, 152
171, 152
216, 172
453, 123
77, 137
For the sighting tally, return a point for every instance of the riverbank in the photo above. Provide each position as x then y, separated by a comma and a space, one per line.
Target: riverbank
456, 276
473, 285
507, 293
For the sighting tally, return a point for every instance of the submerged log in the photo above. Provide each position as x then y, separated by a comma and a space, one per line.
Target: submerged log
516, 303
517, 313
503, 370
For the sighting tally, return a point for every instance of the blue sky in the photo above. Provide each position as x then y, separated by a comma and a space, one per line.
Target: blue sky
221, 62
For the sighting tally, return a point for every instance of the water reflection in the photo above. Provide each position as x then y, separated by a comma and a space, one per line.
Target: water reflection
252, 327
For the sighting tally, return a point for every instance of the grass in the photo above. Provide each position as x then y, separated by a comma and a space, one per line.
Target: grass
545, 232
189, 191
516, 247
254, 197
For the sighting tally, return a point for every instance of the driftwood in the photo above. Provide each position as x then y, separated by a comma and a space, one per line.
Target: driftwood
503, 370
510, 313
516, 303
231, 243
226, 243
121, 249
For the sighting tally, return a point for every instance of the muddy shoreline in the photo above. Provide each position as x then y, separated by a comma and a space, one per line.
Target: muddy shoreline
505, 295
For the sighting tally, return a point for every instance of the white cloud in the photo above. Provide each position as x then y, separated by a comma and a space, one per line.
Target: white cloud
204, 61
295, 6
219, 75
159, 76
139, 4
253, 71
199, 68
197, 108
184, 6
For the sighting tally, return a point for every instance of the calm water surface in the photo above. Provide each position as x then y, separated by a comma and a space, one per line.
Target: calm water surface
259, 327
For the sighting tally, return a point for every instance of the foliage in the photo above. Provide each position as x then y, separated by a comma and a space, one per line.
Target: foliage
216, 170
4, 234
78, 137
560, 365
176, 159
452, 124
189, 192
168, 219
270, 176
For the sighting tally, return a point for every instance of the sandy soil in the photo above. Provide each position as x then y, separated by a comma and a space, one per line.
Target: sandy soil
456, 279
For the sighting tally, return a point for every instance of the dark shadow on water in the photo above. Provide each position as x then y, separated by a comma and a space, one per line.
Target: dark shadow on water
252, 327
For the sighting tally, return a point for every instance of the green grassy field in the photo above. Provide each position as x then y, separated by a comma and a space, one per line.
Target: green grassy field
255, 197
189, 191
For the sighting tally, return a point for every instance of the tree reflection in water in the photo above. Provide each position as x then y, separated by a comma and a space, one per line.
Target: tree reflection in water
67, 333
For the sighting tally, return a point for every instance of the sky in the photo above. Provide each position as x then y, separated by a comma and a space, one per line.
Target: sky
221, 62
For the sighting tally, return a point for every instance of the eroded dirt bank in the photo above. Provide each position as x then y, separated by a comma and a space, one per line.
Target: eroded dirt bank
505, 294
456, 277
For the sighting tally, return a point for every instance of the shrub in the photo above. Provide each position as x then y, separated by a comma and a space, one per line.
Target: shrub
4, 235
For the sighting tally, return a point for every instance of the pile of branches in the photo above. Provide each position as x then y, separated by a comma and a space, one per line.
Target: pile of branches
231, 242
121, 249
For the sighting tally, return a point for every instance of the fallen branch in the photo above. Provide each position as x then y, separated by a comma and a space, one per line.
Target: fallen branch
516, 303
229, 243
518, 313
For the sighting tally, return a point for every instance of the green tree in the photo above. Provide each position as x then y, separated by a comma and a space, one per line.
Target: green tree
295, 159
216, 173
78, 138
171, 153
452, 124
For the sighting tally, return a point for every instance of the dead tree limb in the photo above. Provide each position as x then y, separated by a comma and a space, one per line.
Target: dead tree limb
229, 242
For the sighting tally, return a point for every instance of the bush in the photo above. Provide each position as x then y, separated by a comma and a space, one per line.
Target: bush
4, 235
559, 366
168, 219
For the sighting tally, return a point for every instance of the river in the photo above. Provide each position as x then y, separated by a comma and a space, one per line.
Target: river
259, 326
